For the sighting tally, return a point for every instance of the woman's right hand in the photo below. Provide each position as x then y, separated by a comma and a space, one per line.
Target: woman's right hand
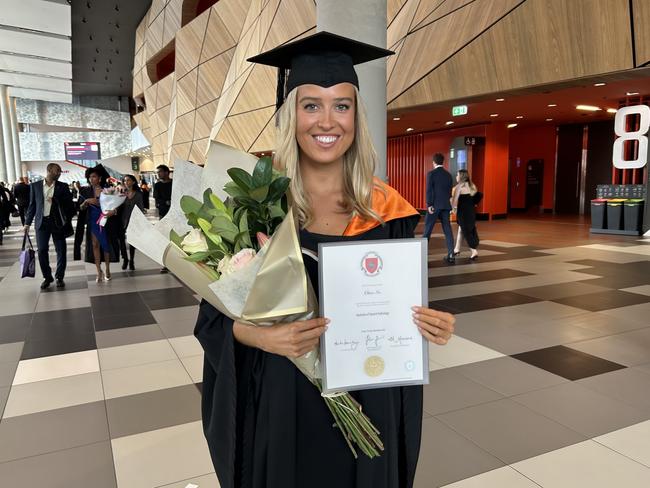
291, 340
91, 201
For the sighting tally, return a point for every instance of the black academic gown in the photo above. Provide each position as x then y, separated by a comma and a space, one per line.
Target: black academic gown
267, 425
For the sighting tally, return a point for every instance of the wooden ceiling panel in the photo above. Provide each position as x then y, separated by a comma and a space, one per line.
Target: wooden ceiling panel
423, 51
227, 100
393, 7
292, 18
400, 26
427, 7
199, 150
205, 119
154, 36
248, 126
392, 60
641, 10
184, 130
165, 87
515, 53
189, 41
267, 139
173, 15
233, 13
217, 37
227, 135
211, 77
186, 93
180, 151
259, 90
150, 93
444, 9
157, 6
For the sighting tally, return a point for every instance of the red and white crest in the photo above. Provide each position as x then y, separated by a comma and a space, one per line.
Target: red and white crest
371, 264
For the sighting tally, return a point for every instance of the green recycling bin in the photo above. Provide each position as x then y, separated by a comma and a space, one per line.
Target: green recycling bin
633, 214
598, 213
615, 213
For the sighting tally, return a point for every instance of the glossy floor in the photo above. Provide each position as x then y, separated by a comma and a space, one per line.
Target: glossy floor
547, 382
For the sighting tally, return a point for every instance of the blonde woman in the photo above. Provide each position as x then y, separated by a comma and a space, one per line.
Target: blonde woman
265, 424
464, 198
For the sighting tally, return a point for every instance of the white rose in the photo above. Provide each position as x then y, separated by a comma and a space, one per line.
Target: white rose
194, 242
223, 265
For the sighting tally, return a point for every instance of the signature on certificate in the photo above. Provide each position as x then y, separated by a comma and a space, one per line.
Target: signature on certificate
397, 341
373, 343
346, 345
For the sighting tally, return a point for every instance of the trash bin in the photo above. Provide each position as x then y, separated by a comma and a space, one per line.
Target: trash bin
633, 214
615, 213
598, 213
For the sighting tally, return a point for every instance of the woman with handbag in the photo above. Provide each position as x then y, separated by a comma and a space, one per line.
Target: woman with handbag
464, 198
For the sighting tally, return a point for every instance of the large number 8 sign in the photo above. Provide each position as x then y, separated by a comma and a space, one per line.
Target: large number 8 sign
638, 135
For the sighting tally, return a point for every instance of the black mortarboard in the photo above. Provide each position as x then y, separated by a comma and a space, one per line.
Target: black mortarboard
323, 59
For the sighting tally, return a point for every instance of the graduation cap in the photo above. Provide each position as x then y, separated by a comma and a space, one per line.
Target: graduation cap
100, 171
322, 59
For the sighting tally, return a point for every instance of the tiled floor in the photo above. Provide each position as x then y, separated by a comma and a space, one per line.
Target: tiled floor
546, 384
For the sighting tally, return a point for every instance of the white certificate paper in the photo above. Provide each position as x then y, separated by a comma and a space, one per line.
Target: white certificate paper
367, 289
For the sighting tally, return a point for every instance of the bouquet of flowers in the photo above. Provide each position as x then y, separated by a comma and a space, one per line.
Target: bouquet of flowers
228, 258
109, 199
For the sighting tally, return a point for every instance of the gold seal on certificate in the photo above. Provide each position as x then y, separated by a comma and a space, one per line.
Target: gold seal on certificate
374, 366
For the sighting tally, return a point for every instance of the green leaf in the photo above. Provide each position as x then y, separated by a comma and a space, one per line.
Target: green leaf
190, 205
277, 189
241, 178
206, 227
244, 240
233, 190
206, 198
225, 228
243, 229
199, 256
259, 194
263, 172
276, 211
217, 203
175, 238
246, 201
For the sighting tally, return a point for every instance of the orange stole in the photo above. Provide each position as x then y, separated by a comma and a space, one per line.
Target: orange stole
387, 203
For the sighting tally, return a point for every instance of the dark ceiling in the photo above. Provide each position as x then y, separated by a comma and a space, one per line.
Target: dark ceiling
103, 41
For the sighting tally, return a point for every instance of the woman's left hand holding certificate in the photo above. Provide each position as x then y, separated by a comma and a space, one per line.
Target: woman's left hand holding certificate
436, 327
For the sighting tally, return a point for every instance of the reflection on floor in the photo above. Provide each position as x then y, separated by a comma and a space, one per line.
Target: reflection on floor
547, 382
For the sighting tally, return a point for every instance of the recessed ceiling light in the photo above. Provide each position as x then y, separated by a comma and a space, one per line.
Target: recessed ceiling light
512, 126
409, 129
552, 105
548, 120
631, 94
396, 118
449, 122
612, 110
600, 84
520, 116
494, 115
588, 108
500, 99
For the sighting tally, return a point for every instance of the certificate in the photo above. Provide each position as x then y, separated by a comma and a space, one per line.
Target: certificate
367, 289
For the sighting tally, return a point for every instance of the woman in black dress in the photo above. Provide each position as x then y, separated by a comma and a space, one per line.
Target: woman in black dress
133, 199
464, 200
266, 424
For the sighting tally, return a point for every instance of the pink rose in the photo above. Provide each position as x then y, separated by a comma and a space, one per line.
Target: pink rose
262, 239
241, 259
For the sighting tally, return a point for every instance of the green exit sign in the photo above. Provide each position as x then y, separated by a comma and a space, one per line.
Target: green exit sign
459, 110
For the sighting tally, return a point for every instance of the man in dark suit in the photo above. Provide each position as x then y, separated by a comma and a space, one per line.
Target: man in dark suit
439, 185
21, 194
49, 200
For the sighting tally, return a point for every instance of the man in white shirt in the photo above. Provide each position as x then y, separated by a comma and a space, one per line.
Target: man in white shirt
50, 205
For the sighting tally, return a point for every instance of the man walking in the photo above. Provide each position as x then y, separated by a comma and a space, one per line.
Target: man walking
439, 185
21, 194
50, 205
162, 194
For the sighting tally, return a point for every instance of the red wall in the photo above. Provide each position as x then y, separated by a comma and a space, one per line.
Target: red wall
527, 143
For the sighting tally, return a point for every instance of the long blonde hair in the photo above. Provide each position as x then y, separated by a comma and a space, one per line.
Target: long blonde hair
359, 163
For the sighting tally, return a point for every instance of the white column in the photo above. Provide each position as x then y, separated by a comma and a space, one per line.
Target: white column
6, 136
3, 162
15, 134
365, 21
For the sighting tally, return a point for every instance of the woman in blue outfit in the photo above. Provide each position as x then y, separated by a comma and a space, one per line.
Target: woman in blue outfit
102, 243
266, 424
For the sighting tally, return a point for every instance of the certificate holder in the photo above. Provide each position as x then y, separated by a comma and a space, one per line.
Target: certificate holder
367, 289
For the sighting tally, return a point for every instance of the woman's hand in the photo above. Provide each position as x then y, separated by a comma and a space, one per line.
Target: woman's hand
90, 201
291, 340
110, 213
436, 327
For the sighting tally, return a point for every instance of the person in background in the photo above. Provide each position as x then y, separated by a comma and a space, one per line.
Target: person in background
7, 206
46, 198
3, 198
144, 186
133, 199
162, 194
21, 194
82, 220
438, 203
463, 202
100, 242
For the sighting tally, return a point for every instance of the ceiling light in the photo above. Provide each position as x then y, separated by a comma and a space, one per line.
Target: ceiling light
449, 122
500, 99
409, 129
600, 84
396, 118
588, 108
548, 120
631, 94
494, 115
512, 126
520, 116
611, 110
552, 105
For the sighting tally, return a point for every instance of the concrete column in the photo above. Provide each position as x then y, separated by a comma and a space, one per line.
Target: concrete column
3, 162
365, 21
15, 134
7, 140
